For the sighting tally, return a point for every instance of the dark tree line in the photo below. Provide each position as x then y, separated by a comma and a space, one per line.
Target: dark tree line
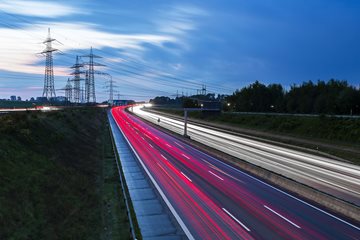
332, 97
193, 101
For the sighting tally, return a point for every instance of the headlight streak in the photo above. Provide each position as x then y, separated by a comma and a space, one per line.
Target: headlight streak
204, 213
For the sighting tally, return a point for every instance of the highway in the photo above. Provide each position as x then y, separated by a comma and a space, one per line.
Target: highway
334, 177
213, 200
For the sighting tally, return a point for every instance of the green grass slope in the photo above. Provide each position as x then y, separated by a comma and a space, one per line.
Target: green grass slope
51, 175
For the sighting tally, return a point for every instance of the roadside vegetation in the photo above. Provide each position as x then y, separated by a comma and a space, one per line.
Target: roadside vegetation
266, 111
58, 178
334, 97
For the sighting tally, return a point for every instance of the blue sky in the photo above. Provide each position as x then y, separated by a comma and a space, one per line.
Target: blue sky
160, 47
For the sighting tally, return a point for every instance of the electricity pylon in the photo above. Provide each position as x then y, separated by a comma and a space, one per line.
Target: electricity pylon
111, 87
49, 89
68, 91
77, 78
90, 78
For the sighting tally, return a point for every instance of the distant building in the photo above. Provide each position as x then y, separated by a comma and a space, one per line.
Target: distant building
58, 99
211, 105
12, 98
41, 99
123, 102
19, 98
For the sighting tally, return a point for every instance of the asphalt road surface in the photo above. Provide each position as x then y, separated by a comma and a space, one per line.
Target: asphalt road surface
213, 200
334, 177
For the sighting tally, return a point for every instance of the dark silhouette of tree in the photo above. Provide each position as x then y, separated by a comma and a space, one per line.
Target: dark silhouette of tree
332, 97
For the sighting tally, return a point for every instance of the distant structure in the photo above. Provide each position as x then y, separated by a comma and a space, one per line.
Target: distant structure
82, 98
77, 78
90, 96
203, 90
119, 102
110, 86
49, 89
68, 91
111, 92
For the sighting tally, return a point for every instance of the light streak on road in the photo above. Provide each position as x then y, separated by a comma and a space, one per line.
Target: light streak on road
214, 200
185, 156
334, 177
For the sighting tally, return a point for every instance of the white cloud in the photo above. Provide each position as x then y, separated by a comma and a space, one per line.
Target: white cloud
180, 19
177, 66
34, 88
19, 46
37, 8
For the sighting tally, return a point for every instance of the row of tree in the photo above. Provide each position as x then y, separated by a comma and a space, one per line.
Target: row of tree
332, 97
194, 101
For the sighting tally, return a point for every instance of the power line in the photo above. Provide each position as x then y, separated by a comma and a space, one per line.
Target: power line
161, 77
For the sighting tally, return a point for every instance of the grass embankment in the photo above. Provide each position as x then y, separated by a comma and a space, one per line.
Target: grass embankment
337, 136
57, 177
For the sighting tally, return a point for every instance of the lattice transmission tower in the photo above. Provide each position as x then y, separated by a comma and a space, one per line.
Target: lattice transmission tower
49, 89
77, 78
90, 77
110, 85
68, 91
111, 91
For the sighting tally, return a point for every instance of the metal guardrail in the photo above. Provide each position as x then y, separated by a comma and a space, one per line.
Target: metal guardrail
292, 114
263, 113
126, 200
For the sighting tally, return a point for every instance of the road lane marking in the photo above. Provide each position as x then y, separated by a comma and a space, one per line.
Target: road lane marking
287, 194
164, 157
277, 189
216, 176
236, 220
278, 214
186, 176
179, 144
185, 156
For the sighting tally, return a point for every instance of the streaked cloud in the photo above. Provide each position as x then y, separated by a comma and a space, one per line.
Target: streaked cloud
179, 19
19, 46
38, 8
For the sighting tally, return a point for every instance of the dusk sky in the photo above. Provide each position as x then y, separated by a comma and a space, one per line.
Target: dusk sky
157, 47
